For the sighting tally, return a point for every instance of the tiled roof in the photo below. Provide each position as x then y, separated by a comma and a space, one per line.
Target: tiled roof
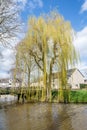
70, 72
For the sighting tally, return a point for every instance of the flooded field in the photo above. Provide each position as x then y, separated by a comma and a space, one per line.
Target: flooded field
43, 116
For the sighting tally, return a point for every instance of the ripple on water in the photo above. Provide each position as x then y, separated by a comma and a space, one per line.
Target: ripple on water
44, 116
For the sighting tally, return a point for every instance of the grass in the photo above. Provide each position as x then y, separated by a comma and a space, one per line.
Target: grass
74, 96
79, 96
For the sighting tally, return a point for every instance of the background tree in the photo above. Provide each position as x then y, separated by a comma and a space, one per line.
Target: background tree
24, 62
26, 66
9, 20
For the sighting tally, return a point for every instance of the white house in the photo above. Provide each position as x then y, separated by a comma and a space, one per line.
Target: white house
74, 79
74, 76
5, 83
8, 83
84, 72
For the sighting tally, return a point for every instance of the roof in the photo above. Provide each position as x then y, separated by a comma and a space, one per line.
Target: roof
69, 73
84, 72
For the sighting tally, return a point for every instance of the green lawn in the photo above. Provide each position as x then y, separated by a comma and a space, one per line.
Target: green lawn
79, 96
74, 96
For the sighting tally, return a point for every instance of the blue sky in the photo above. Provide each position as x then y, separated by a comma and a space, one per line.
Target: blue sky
70, 9
74, 11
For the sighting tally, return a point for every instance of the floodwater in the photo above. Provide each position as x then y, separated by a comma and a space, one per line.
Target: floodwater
7, 100
43, 116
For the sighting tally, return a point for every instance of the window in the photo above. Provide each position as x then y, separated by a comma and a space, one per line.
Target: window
85, 80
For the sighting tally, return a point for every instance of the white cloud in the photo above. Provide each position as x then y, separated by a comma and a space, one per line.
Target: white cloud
23, 2
31, 4
81, 40
4, 75
84, 7
81, 45
7, 53
38, 3
7, 62
81, 65
8, 56
20, 3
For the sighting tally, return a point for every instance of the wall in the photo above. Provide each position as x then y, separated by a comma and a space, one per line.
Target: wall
76, 79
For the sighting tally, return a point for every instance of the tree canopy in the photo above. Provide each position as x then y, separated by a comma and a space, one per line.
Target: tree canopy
49, 41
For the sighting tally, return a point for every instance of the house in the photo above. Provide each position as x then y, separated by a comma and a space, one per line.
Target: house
8, 83
74, 77
5, 82
84, 72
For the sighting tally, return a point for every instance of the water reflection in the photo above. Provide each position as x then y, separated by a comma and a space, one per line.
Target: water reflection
7, 100
43, 116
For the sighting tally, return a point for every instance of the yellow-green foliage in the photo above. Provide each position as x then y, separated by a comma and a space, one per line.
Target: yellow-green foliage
40, 31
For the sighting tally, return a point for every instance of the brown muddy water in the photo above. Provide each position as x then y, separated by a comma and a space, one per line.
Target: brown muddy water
43, 116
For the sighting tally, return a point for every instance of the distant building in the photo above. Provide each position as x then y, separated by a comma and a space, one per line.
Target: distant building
8, 83
5, 82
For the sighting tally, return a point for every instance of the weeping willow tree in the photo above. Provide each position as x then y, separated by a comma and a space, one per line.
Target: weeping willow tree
49, 41
64, 53
36, 40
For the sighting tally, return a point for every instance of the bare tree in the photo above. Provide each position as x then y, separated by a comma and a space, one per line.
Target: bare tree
9, 20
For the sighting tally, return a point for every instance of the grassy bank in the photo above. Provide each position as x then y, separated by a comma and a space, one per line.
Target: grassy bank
75, 96
79, 96
35, 95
